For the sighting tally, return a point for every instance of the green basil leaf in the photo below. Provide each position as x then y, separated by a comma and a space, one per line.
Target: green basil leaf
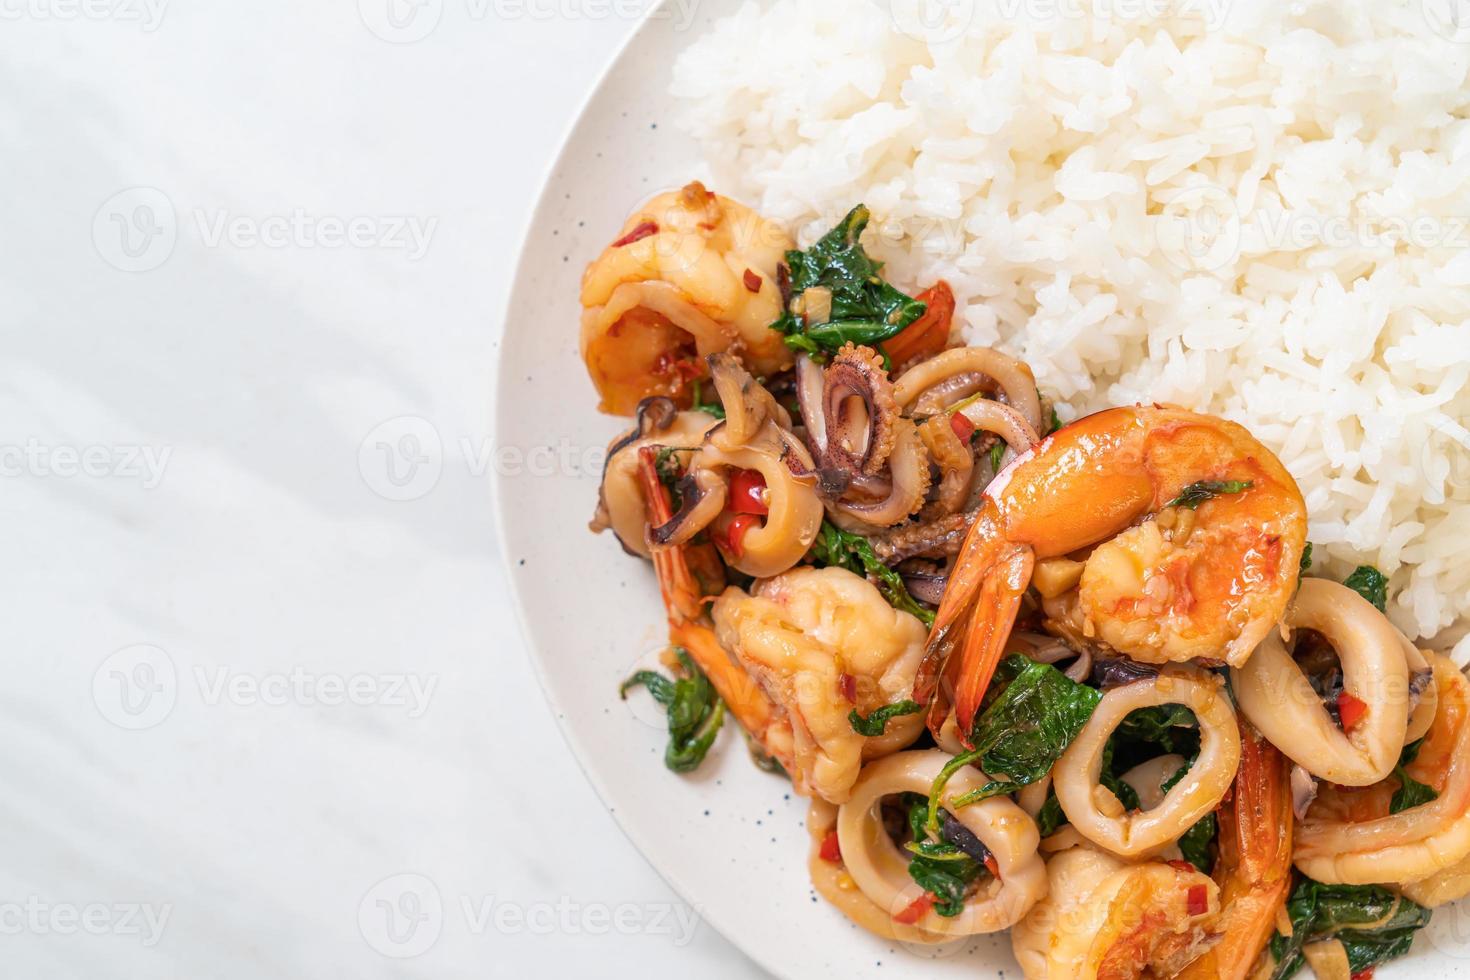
875, 724
1197, 493
1372, 923
853, 552
1371, 584
864, 309
695, 711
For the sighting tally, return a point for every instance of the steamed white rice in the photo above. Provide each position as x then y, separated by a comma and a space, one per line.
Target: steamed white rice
1257, 209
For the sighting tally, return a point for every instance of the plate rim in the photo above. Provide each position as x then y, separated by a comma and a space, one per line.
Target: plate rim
578, 750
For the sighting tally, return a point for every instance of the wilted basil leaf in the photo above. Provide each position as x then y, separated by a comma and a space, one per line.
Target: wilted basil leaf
853, 552
1372, 923
864, 309
695, 711
1411, 792
1197, 493
1369, 583
875, 724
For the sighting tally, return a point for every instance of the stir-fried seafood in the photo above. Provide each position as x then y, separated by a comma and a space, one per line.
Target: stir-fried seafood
823, 643
1279, 700
817, 474
1353, 836
1105, 918
1016, 875
1205, 578
690, 274
1096, 812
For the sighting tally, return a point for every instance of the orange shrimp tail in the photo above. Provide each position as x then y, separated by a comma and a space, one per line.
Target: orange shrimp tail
688, 626
681, 593
973, 623
1254, 870
990, 626
746, 701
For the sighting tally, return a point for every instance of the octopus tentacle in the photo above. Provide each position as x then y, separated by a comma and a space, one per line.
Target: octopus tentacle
858, 411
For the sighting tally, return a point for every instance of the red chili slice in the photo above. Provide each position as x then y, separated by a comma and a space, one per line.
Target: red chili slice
752, 281
1364, 974
847, 684
916, 910
993, 866
641, 230
962, 427
831, 849
734, 537
1199, 900
748, 493
1350, 710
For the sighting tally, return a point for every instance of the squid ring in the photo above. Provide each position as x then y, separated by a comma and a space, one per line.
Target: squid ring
794, 516
1014, 378
621, 507
1414, 844
831, 880
1277, 698
1076, 774
988, 415
880, 869
1421, 716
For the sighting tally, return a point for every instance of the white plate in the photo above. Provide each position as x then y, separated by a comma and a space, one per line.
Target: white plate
729, 838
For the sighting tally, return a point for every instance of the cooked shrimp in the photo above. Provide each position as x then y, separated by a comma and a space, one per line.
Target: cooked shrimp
691, 274
1254, 868
1105, 919
1096, 813
822, 643
1209, 582
689, 626
1349, 836
880, 869
1277, 698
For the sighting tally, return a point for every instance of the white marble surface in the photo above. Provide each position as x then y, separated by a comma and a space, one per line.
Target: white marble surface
244, 686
